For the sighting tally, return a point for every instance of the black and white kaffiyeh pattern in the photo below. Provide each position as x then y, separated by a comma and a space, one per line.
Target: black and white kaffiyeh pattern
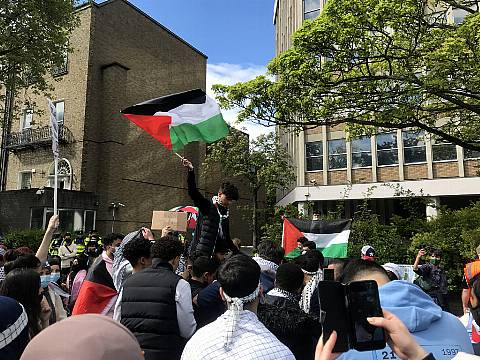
14, 330
252, 340
308, 290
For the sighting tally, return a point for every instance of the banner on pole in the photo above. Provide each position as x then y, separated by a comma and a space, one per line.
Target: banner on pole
53, 127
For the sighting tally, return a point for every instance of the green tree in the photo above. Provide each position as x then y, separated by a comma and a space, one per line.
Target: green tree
33, 41
263, 163
457, 234
375, 64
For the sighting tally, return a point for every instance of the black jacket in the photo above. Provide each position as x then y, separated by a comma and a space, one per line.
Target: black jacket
149, 311
295, 329
207, 239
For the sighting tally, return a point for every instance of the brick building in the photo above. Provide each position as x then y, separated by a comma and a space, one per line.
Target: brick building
121, 57
331, 169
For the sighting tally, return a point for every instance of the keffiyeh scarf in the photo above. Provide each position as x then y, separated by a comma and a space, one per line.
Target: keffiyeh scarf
284, 294
309, 289
235, 306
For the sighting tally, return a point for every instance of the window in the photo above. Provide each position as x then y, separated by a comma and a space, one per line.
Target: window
414, 147
314, 156
26, 180
27, 119
64, 178
60, 108
471, 154
337, 154
361, 152
444, 151
311, 9
387, 149
89, 220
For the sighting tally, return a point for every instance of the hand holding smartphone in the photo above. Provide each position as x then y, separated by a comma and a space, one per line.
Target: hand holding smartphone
346, 309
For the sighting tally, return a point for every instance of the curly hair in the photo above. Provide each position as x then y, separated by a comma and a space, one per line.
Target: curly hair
137, 248
230, 191
167, 248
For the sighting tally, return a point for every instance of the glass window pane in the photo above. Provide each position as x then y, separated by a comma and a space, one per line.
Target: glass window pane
415, 155
361, 144
66, 220
387, 157
36, 219
362, 159
337, 161
27, 119
444, 152
310, 5
411, 138
386, 141
89, 221
314, 149
337, 147
311, 15
25, 180
471, 154
60, 107
315, 163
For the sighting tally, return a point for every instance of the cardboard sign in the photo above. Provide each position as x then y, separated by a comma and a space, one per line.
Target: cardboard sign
176, 220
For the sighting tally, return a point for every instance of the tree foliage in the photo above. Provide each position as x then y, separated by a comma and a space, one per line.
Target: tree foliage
263, 163
375, 64
457, 234
30, 238
34, 38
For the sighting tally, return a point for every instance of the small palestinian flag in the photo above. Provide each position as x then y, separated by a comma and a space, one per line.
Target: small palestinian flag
331, 237
97, 294
179, 119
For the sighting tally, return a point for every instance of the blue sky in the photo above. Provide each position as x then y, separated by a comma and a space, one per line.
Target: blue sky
227, 31
238, 37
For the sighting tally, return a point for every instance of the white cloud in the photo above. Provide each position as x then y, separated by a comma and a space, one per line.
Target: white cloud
230, 74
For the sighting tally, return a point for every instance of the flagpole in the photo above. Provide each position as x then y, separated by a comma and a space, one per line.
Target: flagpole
55, 189
54, 134
180, 156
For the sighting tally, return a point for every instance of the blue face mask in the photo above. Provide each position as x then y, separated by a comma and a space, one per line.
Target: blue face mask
44, 280
54, 277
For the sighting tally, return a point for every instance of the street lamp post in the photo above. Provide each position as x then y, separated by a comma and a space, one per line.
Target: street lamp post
114, 206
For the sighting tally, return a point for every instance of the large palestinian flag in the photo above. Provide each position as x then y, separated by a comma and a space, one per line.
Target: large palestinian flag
179, 119
97, 294
331, 237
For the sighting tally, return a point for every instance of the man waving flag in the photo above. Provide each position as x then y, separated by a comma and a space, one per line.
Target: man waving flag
179, 119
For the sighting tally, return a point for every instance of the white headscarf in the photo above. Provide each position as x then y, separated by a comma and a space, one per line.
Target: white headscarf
235, 305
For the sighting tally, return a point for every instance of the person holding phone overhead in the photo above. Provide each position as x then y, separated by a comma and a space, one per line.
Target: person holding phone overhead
432, 278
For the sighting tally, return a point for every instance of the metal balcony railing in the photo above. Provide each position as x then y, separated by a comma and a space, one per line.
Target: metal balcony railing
39, 137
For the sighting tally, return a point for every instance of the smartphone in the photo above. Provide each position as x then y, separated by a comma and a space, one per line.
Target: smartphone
331, 296
364, 302
328, 274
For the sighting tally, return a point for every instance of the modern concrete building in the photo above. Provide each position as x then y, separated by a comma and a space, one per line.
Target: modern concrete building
121, 57
331, 169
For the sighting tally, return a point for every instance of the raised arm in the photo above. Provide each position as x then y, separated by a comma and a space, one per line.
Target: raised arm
198, 199
42, 252
420, 254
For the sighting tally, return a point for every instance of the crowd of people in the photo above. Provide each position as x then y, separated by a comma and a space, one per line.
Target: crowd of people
142, 296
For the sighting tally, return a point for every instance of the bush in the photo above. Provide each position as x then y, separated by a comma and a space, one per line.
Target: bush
388, 244
457, 234
30, 238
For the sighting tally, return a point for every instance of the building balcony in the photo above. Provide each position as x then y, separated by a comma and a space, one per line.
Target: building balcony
36, 138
